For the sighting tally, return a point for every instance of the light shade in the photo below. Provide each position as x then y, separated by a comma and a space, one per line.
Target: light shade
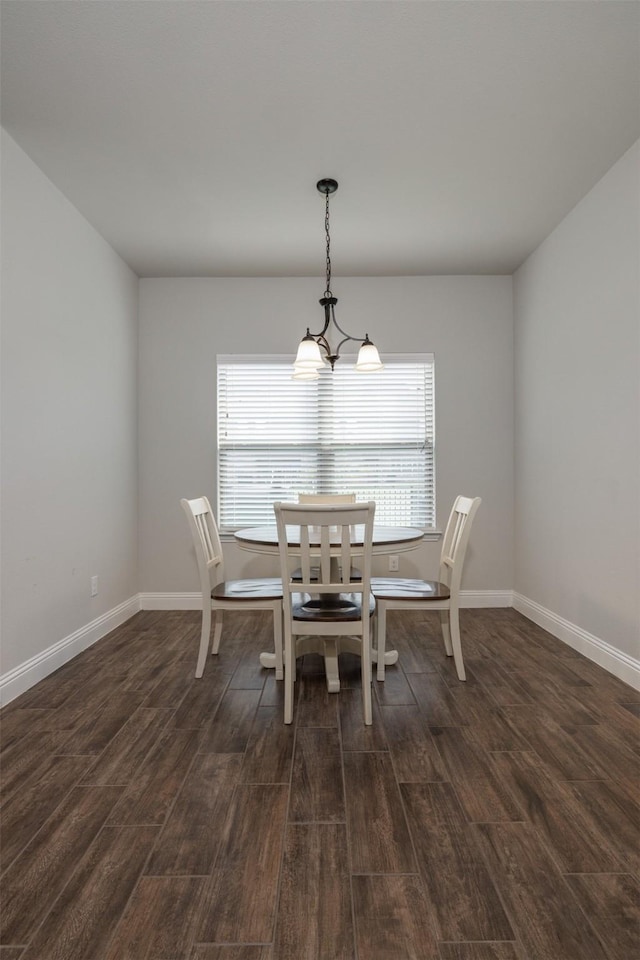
368, 358
308, 356
305, 374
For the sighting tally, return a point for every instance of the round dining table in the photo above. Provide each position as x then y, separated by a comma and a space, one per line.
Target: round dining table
386, 539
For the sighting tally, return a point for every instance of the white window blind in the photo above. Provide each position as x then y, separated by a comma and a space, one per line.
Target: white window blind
347, 432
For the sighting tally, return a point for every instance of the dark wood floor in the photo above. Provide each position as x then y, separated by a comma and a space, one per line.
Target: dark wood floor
151, 816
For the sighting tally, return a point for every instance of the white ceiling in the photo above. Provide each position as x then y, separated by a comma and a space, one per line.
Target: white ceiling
191, 134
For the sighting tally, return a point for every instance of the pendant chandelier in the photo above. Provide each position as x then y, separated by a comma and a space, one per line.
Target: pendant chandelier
310, 360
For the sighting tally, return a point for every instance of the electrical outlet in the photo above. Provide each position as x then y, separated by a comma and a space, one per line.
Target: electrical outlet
94, 586
393, 564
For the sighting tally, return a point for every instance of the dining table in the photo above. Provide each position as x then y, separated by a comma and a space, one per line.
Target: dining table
386, 540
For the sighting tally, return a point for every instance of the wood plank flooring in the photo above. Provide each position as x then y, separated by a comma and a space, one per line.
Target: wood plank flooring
147, 815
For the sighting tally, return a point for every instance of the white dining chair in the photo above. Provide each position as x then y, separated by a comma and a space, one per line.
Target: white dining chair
397, 593
332, 607
218, 594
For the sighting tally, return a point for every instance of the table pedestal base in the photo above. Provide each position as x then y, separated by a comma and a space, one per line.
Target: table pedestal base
327, 648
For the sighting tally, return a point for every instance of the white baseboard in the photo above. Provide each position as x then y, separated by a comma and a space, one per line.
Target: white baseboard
620, 664
486, 598
20, 679
170, 601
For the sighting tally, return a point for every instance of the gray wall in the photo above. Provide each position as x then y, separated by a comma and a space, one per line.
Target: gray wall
465, 321
577, 378
69, 438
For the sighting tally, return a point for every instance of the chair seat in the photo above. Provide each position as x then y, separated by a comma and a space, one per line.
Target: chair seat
347, 607
399, 588
261, 588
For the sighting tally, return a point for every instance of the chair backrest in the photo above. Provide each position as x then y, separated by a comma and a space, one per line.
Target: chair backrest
325, 550
206, 541
326, 498
455, 540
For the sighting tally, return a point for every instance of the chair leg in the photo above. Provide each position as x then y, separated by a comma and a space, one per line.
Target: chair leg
456, 644
446, 632
204, 639
381, 636
365, 666
289, 674
217, 632
277, 641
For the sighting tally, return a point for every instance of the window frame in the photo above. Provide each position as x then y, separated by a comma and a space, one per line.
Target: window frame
428, 491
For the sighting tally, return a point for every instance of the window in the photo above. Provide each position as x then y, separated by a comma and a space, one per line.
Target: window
370, 434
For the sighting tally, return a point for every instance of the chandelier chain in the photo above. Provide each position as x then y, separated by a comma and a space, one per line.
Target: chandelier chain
327, 292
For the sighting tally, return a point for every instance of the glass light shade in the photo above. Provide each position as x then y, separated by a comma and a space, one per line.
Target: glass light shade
305, 374
308, 356
368, 358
